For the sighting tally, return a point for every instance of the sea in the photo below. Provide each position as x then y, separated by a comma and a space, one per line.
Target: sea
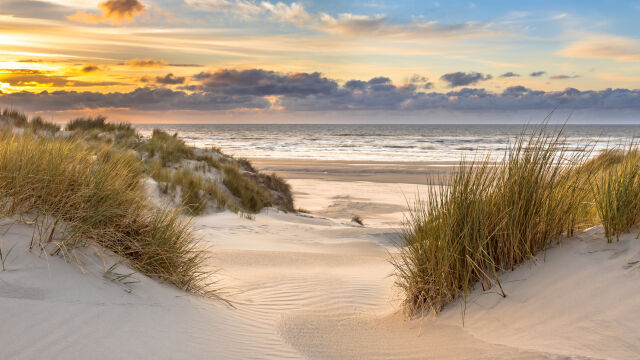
396, 143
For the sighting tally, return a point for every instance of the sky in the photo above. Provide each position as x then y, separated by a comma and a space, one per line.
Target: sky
368, 61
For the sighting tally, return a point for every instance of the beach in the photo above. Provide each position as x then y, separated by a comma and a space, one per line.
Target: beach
319, 286
321, 180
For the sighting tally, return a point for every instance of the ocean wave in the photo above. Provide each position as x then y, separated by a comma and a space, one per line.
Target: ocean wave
387, 142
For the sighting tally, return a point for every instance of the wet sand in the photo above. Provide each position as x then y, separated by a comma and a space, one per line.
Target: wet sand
432, 172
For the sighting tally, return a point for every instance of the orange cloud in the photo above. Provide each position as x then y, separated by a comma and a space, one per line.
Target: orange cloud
615, 48
113, 11
90, 68
145, 63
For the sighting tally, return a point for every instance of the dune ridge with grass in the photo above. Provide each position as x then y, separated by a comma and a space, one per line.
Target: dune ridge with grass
492, 216
86, 187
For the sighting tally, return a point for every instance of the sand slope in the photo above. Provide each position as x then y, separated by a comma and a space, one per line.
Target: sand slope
312, 287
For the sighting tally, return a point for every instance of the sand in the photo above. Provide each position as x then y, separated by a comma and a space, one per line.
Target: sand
317, 286
414, 172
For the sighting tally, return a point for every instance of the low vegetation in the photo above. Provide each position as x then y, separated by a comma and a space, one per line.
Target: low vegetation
187, 172
357, 219
493, 216
87, 186
252, 197
197, 191
616, 193
76, 195
168, 148
17, 119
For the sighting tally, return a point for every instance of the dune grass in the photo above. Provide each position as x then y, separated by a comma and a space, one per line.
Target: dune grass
616, 192
197, 191
252, 197
76, 195
122, 135
35, 124
168, 148
491, 217
282, 190
98, 123
18, 118
357, 219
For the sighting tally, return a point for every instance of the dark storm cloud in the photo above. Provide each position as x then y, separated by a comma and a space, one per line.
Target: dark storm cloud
509, 74
537, 73
259, 89
463, 79
169, 79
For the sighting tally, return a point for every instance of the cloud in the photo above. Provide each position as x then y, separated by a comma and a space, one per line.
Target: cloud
420, 81
33, 9
140, 99
85, 17
293, 13
378, 25
33, 78
259, 82
90, 68
138, 63
121, 9
342, 24
242, 8
561, 77
259, 89
515, 90
614, 48
462, 79
112, 11
537, 73
169, 79
509, 74
281, 12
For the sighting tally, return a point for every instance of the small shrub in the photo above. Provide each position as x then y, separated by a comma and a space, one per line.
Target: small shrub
357, 219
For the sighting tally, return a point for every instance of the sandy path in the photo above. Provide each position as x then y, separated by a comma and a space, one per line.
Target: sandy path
325, 290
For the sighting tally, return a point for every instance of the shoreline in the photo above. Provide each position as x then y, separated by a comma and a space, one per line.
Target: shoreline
415, 172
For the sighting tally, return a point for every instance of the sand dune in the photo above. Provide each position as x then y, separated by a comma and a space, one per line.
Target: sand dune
315, 287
